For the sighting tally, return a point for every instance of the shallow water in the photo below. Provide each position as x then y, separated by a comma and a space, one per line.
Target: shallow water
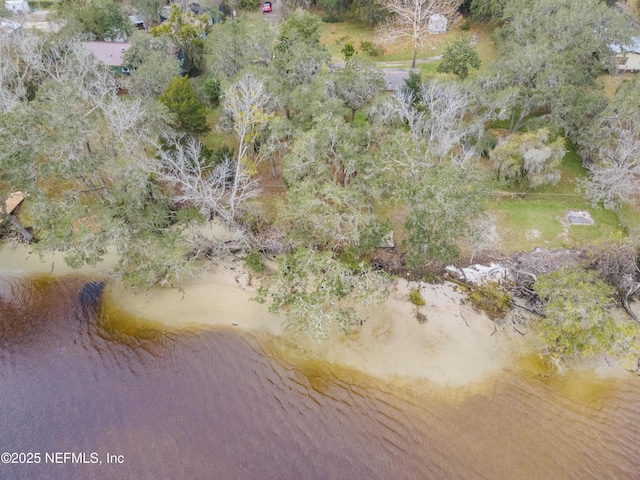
78, 376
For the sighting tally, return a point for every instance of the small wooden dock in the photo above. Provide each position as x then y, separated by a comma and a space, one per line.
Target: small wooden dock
12, 201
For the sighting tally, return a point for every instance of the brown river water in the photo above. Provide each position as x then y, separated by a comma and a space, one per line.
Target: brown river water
82, 384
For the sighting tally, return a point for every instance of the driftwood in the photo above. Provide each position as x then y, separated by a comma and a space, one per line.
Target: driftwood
625, 302
6, 216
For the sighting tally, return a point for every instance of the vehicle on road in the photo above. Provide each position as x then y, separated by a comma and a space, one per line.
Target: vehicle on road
266, 7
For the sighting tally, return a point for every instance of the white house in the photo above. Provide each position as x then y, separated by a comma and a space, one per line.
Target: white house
17, 6
628, 56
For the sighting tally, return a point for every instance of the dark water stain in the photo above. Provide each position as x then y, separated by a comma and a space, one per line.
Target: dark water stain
78, 375
91, 294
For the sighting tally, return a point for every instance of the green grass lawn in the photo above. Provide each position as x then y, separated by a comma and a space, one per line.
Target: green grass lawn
630, 218
216, 139
335, 35
537, 218
524, 224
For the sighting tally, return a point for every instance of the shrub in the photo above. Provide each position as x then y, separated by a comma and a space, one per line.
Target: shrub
413, 83
348, 51
248, 4
187, 214
531, 156
491, 298
212, 91
372, 49
415, 297
487, 143
466, 25
253, 261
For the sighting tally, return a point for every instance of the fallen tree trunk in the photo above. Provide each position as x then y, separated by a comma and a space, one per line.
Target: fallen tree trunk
625, 303
6, 217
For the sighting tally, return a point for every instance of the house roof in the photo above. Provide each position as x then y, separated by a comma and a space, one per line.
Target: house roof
394, 79
108, 53
9, 27
633, 47
628, 62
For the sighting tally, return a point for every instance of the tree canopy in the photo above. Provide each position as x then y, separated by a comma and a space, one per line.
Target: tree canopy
180, 98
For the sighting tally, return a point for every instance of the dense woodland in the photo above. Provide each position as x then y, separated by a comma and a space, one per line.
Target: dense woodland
309, 161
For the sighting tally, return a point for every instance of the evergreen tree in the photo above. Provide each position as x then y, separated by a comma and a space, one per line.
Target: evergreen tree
180, 98
458, 56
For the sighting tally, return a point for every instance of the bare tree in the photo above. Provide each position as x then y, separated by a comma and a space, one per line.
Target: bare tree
617, 264
245, 106
615, 176
410, 20
436, 121
127, 120
211, 188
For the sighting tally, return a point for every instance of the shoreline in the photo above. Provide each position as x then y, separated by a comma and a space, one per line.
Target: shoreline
455, 347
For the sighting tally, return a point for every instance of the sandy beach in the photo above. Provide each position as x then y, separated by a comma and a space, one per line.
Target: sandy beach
456, 346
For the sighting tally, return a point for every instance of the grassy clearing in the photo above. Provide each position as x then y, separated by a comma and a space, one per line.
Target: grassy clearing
216, 139
430, 70
524, 224
537, 218
335, 35
610, 84
630, 217
396, 213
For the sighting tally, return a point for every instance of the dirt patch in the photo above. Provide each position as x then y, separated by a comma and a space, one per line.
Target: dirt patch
578, 217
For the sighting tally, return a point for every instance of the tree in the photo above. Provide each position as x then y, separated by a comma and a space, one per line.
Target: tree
152, 78
582, 34
458, 56
211, 188
330, 152
180, 98
524, 81
335, 8
298, 55
576, 321
357, 84
316, 292
325, 215
106, 19
438, 122
150, 9
488, 10
12, 84
152, 63
240, 44
611, 148
186, 32
617, 264
213, 91
616, 174
529, 156
246, 109
545, 64
442, 201
78, 151
370, 12
410, 19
